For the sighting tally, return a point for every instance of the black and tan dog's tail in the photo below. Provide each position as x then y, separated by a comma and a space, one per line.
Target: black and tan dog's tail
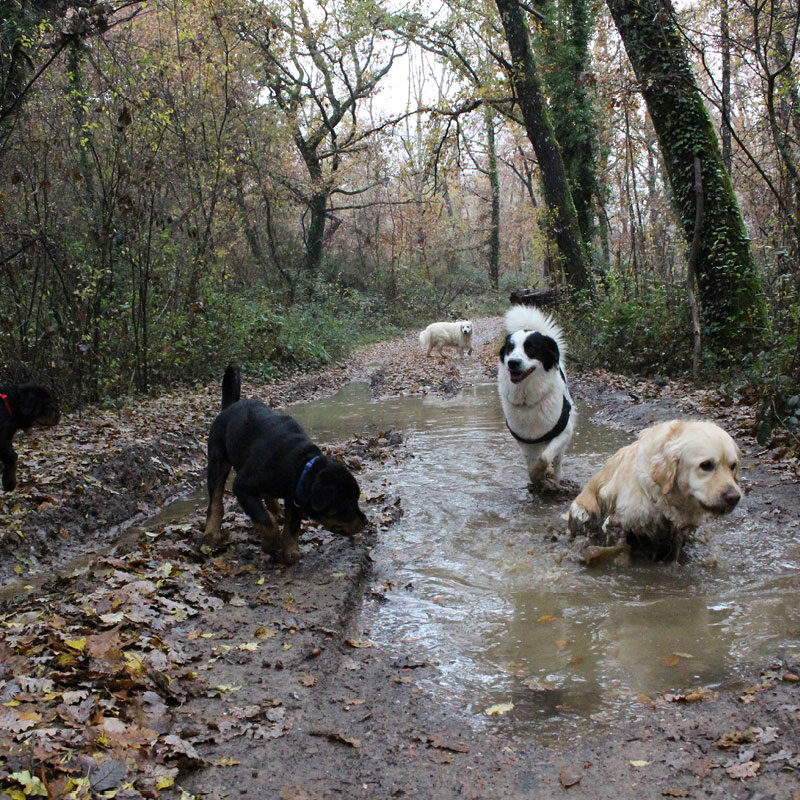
231, 385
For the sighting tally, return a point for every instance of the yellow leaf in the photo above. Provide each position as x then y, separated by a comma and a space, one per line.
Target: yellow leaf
251, 646
77, 789
546, 618
164, 782
225, 761
32, 785
260, 582
224, 687
133, 664
639, 763
500, 708
76, 644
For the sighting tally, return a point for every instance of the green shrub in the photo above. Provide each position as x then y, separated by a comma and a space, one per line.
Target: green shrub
647, 333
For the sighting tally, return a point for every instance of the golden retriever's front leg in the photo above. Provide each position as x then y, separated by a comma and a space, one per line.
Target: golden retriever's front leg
607, 541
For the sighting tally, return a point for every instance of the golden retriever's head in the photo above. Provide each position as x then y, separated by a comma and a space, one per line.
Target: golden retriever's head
694, 462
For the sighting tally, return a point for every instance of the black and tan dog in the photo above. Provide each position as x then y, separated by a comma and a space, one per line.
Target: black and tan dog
274, 458
22, 406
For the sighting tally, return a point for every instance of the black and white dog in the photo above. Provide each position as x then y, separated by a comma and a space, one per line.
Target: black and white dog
533, 391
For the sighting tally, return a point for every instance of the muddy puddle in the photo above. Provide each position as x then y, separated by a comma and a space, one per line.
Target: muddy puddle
478, 583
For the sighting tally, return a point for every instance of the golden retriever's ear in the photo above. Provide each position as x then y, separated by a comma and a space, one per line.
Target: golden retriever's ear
664, 457
663, 470
738, 461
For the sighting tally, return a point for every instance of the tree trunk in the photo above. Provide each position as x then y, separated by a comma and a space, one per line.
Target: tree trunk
530, 98
730, 292
494, 182
564, 41
317, 210
725, 129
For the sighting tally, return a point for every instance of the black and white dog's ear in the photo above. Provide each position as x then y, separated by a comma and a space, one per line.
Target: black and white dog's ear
506, 348
551, 346
543, 348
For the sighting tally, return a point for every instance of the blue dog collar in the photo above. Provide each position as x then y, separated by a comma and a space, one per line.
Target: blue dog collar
298, 492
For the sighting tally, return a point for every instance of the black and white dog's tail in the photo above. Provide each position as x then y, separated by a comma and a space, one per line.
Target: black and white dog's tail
231, 385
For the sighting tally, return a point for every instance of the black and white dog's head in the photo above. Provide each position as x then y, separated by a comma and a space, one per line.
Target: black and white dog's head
534, 348
525, 351
466, 329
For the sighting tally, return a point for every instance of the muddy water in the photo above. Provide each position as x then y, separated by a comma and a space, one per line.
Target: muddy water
478, 584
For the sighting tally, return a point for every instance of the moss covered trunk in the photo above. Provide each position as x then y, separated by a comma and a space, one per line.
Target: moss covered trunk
530, 97
730, 292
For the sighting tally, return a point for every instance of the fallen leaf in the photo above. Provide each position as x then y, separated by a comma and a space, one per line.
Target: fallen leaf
747, 769
500, 708
569, 775
33, 786
443, 741
638, 763
107, 775
735, 738
335, 736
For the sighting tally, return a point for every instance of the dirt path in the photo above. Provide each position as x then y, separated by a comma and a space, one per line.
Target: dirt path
159, 670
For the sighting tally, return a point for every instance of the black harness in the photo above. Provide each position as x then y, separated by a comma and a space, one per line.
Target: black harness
553, 432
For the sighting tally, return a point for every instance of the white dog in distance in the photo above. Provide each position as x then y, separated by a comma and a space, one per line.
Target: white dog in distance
439, 335
536, 402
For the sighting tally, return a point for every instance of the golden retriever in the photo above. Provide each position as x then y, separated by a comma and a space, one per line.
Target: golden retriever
653, 493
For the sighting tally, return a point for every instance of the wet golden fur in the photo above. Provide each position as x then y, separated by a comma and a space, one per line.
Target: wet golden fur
662, 486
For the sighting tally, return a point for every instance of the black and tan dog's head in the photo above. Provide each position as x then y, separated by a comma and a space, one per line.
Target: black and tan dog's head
28, 404
333, 499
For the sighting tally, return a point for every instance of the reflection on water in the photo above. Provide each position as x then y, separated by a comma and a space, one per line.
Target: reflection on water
478, 585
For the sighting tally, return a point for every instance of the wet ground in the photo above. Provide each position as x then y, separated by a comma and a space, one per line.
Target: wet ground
456, 649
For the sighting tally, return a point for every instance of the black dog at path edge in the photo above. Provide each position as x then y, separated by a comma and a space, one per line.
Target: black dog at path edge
274, 458
22, 405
